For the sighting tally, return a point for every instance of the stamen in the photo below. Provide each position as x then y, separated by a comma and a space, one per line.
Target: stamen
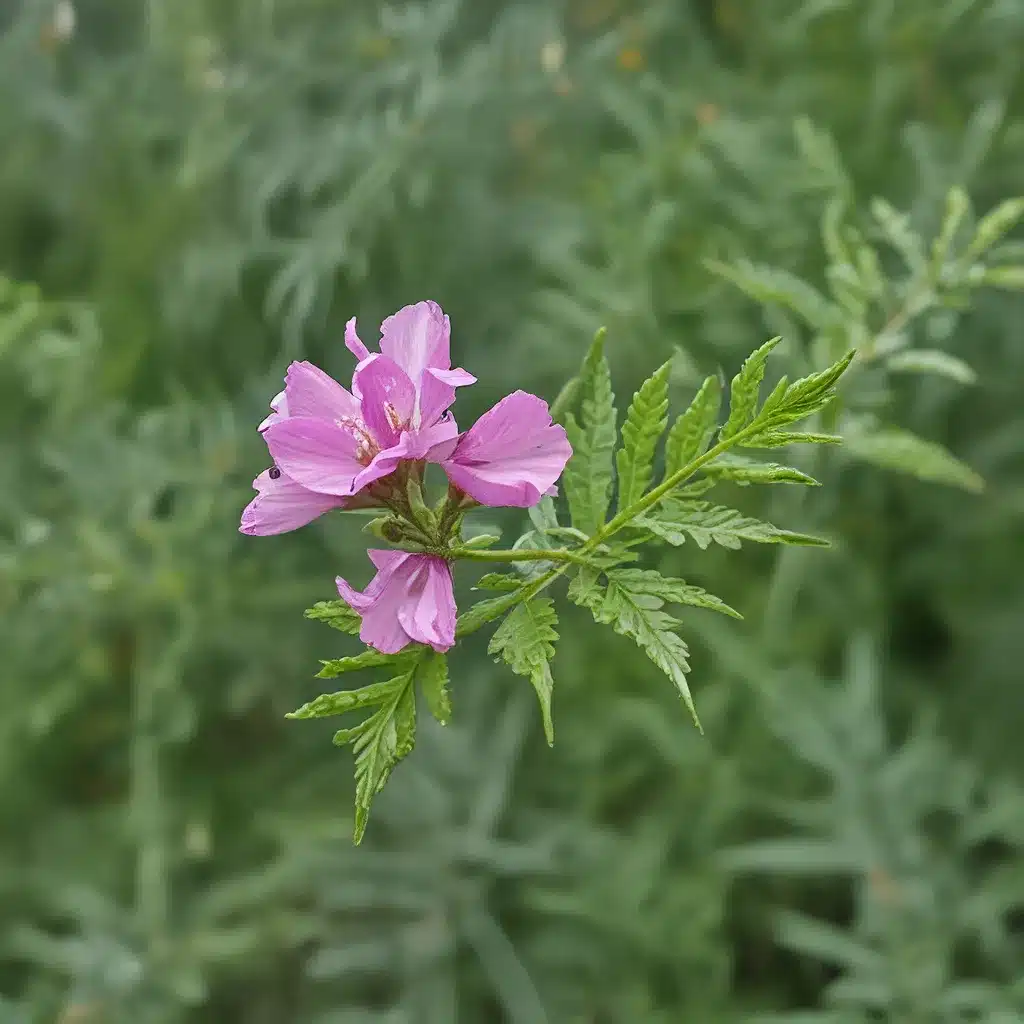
392, 416
366, 444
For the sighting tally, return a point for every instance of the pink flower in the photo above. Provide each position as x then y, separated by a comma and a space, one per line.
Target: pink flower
511, 456
328, 443
283, 505
409, 600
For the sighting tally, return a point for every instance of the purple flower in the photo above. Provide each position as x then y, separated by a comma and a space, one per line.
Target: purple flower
511, 456
328, 443
409, 600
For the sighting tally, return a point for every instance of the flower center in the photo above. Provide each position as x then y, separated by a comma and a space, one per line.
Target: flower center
366, 444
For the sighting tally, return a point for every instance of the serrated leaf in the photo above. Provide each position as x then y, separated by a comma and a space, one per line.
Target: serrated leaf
485, 611
746, 386
931, 361
705, 523
903, 452
994, 226
526, 643
584, 587
804, 397
780, 438
646, 421
743, 471
670, 589
588, 476
640, 617
433, 677
368, 659
692, 431
339, 703
774, 285
499, 581
337, 615
381, 742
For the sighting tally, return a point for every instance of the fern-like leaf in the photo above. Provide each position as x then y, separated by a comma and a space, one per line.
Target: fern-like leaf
674, 521
337, 614
433, 680
588, 476
639, 615
746, 387
744, 471
525, 641
646, 421
692, 431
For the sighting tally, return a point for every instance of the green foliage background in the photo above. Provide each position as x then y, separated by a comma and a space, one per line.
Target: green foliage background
194, 192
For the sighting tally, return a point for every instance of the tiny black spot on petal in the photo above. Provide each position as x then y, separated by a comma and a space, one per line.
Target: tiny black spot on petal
274, 472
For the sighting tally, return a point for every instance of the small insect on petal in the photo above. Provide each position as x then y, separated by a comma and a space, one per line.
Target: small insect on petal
274, 473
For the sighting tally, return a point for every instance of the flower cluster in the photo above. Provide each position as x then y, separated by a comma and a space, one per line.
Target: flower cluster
334, 448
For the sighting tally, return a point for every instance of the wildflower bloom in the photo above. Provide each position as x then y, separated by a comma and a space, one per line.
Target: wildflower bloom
410, 599
329, 444
511, 456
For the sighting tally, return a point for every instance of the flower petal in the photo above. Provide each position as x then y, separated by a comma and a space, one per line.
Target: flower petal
283, 505
311, 392
429, 614
417, 337
353, 343
512, 455
387, 398
319, 455
437, 392
279, 405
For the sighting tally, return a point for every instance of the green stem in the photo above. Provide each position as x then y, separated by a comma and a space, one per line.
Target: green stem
518, 555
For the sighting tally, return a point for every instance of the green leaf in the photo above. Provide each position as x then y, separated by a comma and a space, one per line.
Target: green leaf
957, 206
565, 400
923, 360
746, 386
584, 588
328, 704
1011, 278
481, 540
526, 642
674, 521
994, 226
368, 659
433, 677
791, 402
588, 476
690, 434
499, 581
646, 421
380, 743
337, 615
904, 452
772, 285
543, 515
639, 616
780, 438
670, 589
745, 471
485, 611
896, 228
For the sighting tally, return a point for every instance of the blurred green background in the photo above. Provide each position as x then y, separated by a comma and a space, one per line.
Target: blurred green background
195, 192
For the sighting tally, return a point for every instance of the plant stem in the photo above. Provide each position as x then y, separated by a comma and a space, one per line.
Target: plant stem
518, 555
